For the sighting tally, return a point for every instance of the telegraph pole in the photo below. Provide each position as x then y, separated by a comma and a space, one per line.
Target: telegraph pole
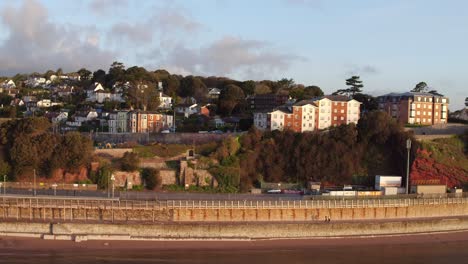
34, 182
408, 147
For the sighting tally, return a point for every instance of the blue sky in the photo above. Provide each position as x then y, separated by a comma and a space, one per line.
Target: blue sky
392, 45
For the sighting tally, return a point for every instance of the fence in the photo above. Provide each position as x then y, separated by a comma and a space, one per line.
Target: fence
71, 202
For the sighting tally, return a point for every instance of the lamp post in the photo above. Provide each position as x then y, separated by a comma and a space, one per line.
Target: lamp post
408, 147
4, 184
112, 179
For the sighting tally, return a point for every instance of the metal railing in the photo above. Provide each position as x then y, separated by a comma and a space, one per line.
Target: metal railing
46, 202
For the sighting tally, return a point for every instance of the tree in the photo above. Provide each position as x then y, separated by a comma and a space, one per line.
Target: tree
248, 87
420, 87
116, 73
84, 74
193, 86
369, 103
4, 169
262, 89
99, 76
151, 178
129, 161
355, 86
285, 83
312, 91
231, 97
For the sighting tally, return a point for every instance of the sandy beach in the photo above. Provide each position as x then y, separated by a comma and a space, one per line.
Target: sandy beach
419, 248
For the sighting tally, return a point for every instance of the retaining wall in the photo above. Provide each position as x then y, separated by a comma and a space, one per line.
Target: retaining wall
81, 232
137, 211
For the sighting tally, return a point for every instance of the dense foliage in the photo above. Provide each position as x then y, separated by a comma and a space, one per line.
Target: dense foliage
151, 178
28, 145
375, 146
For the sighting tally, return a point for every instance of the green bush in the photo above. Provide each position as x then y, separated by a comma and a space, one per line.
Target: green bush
129, 161
151, 177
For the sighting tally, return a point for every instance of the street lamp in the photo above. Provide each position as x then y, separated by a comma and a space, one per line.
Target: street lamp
112, 179
55, 188
4, 184
408, 147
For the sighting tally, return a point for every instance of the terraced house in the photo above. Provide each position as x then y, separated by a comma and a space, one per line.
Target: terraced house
310, 115
138, 122
415, 108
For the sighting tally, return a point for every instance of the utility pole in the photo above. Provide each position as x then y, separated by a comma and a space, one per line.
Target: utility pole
4, 184
408, 147
34, 182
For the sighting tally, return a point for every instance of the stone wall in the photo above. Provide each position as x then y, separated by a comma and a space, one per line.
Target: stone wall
169, 138
168, 177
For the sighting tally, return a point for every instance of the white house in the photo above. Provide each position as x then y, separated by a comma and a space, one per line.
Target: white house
276, 120
98, 94
57, 117
187, 110
165, 102
353, 111
213, 93
86, 116
8, 84
325, 113
260, 120
44, 103
118, 122
218, 122
36, 81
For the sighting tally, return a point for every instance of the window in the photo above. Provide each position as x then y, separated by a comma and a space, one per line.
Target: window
429, 120
274, 116
429, 113
436, 113
342, 111
430, 106
418, 113
342, 118
424, 120
334, 118
342, 103
418, 106
336, 103
436, 107
334, 111
424, 106
419, 99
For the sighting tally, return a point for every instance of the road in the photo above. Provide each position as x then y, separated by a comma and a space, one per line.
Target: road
148, 195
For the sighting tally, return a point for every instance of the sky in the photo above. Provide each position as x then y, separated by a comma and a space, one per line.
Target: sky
391, 45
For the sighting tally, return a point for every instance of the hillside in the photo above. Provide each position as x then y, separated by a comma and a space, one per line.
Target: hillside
443, 160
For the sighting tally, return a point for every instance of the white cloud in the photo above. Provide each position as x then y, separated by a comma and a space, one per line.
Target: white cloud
166, 24
34, 43
232, 56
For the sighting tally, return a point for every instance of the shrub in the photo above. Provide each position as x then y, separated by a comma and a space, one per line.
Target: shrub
129, 161
151, 177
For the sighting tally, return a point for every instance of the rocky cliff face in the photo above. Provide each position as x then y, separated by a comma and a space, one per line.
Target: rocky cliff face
442, 161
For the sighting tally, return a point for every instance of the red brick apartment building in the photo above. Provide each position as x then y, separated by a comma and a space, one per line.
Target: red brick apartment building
415, 108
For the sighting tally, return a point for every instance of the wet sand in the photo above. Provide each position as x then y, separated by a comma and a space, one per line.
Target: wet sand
423, 248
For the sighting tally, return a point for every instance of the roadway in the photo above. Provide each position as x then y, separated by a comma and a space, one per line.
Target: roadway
149, 195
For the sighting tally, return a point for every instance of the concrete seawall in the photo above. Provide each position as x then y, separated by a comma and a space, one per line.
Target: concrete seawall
243, 231
42, 209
